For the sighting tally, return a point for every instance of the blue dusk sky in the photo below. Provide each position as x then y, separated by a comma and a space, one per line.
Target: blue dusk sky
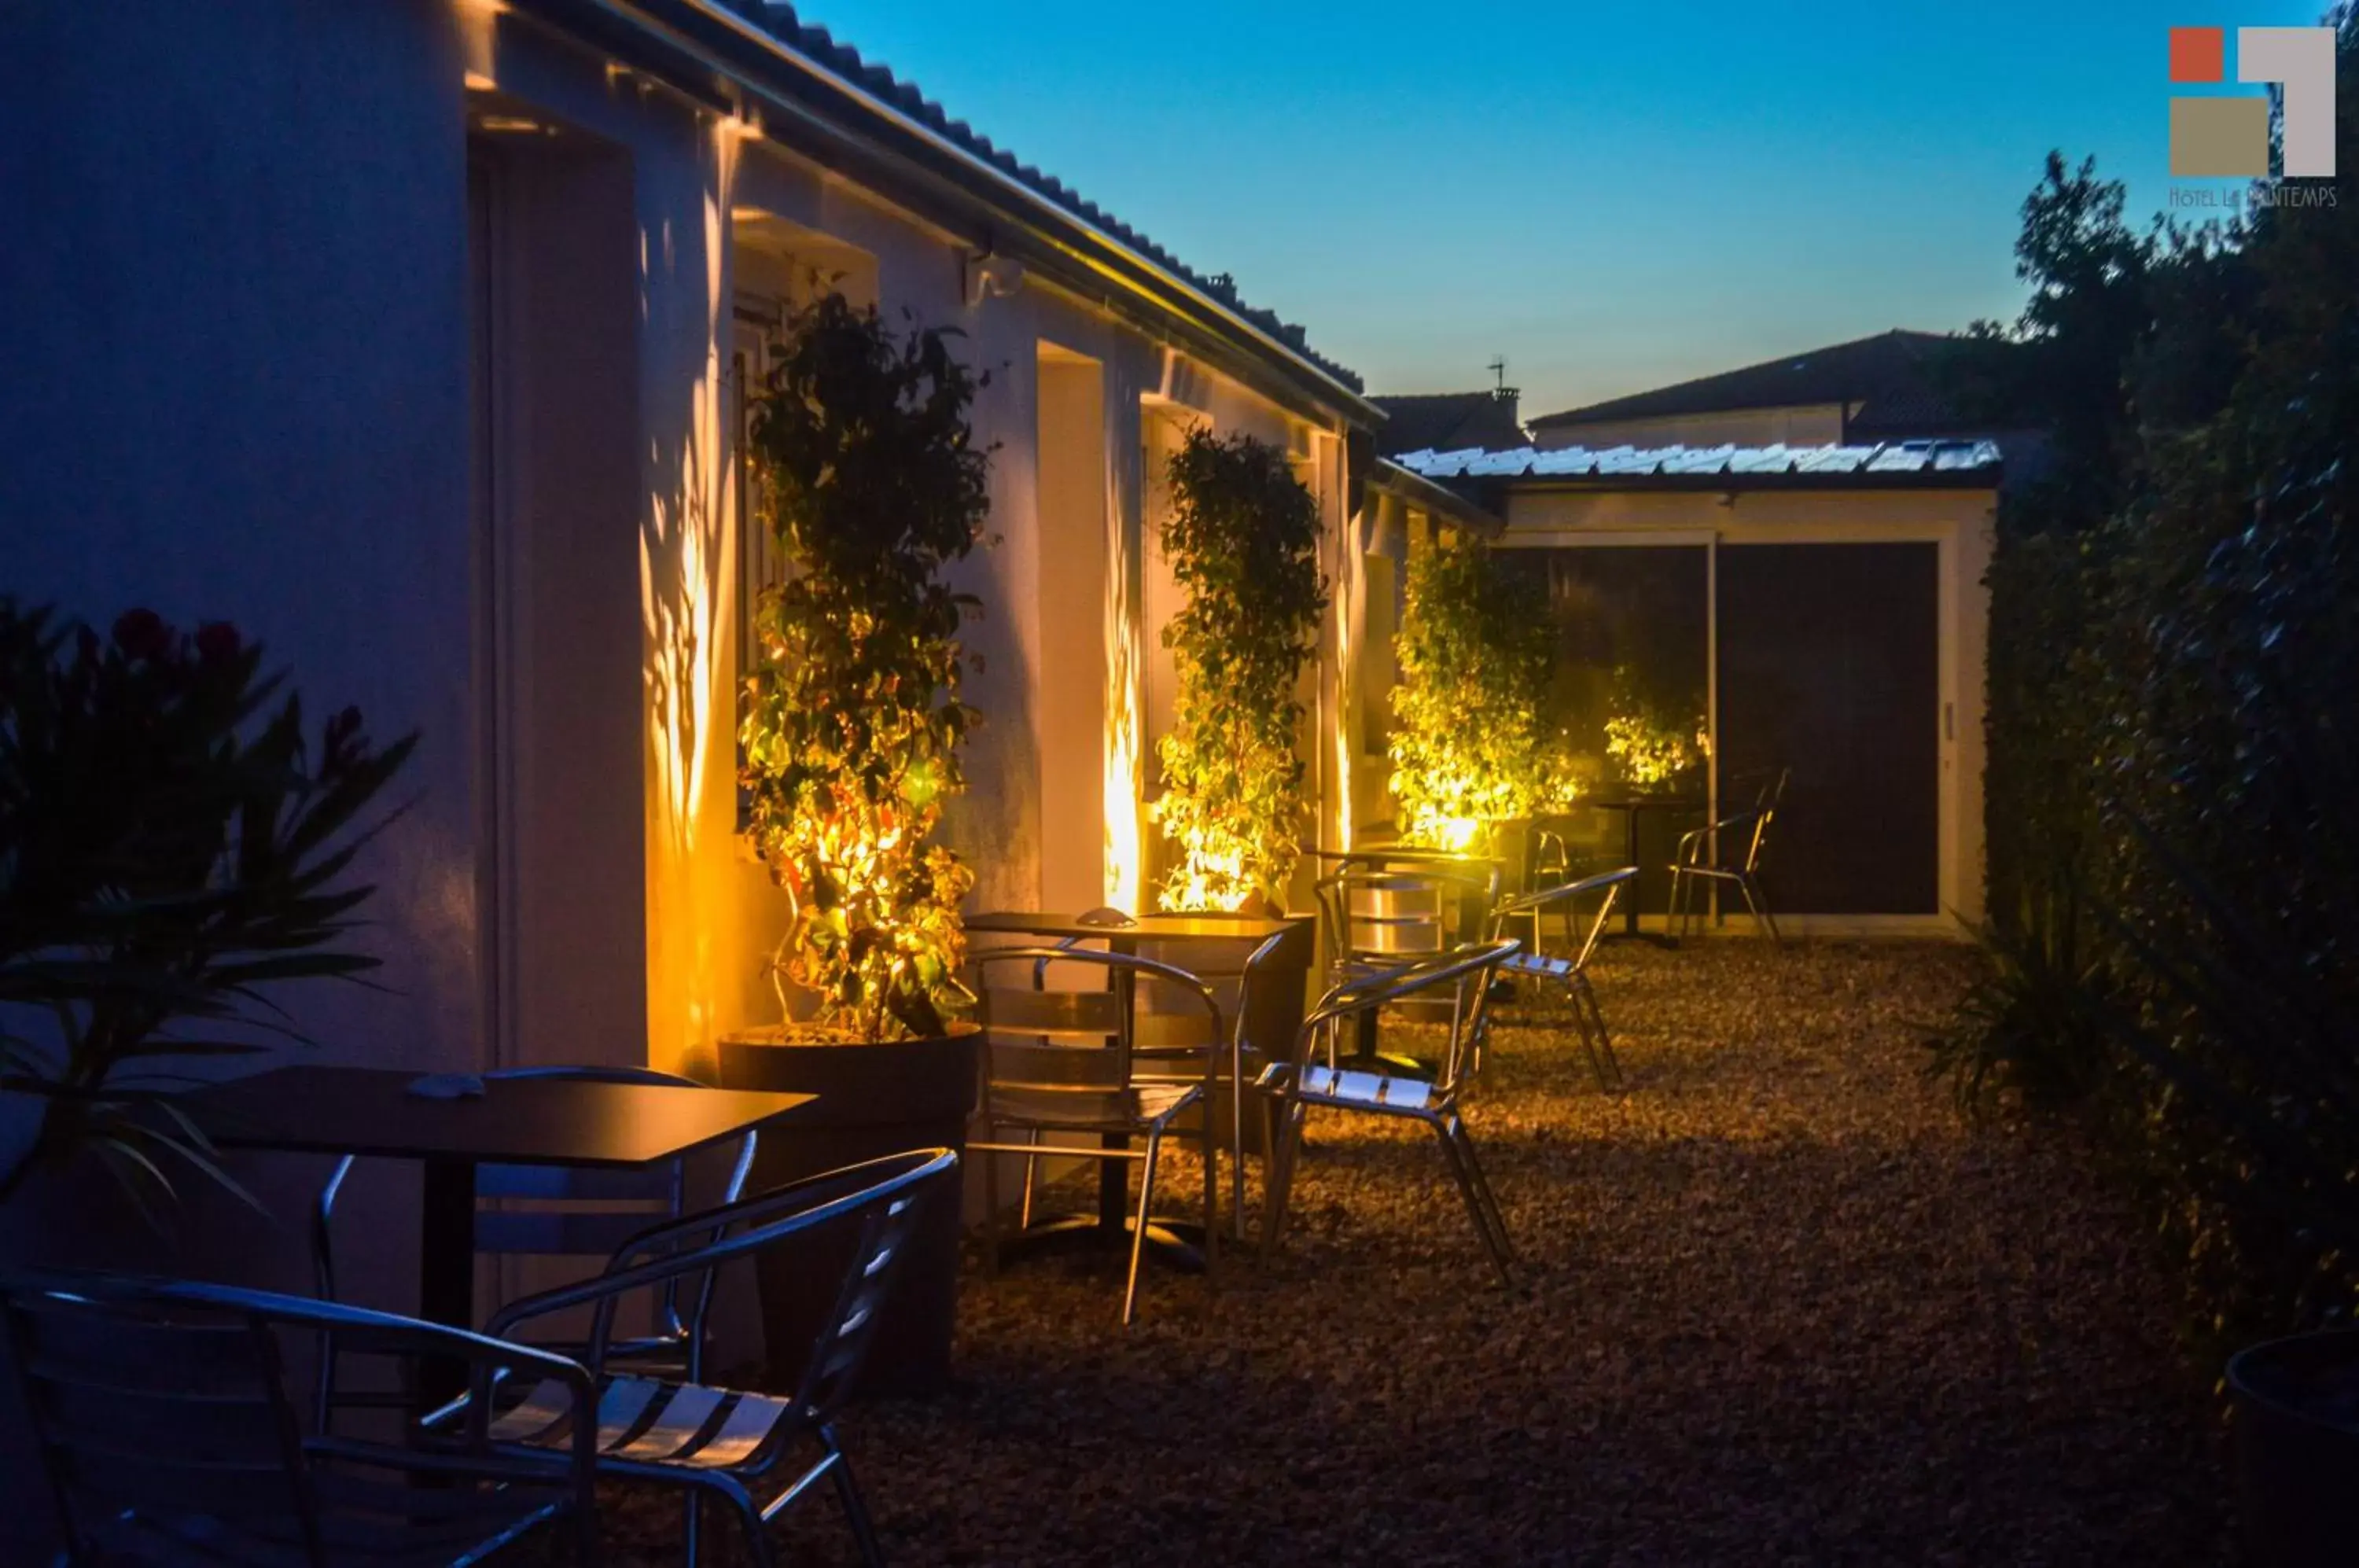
1615, 197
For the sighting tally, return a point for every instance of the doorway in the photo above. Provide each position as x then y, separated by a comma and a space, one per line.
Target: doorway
1830, 665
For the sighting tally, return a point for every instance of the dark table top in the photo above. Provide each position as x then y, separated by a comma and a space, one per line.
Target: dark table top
1403, 854
1650, 803
1153, 927
521, 1121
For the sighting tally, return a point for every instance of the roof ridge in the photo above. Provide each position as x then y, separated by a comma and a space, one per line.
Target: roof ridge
1796, 357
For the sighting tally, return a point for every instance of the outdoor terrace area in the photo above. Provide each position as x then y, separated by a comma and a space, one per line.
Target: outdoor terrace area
1778, 1303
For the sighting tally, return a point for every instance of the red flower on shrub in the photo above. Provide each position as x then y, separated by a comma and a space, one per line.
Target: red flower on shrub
142, 634
217, 642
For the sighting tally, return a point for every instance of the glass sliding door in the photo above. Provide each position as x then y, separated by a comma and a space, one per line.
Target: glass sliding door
1629, 696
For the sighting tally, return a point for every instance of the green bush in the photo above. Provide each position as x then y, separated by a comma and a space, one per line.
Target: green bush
1474, 649
853, 725
2174, 709
1243, 540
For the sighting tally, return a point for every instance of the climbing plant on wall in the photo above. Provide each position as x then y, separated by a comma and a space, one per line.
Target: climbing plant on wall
871, 486
1467, 743
1243, 543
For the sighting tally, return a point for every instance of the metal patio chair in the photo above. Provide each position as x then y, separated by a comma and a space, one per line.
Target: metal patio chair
1462, 980
1383, 912
717, 1441
543, 1211
1067, 1062
168, 1418
1382, 915
1698, 860
1168, 1045
1566, 969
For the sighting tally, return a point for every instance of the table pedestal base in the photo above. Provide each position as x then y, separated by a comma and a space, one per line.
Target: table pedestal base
1179, 1244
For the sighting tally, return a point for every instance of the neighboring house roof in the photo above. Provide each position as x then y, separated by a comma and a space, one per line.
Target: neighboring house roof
1888, 375
818, 44
1875, 465
1447, 421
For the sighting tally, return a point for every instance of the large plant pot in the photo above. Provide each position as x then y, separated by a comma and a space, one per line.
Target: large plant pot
2297, 1419
873, 1100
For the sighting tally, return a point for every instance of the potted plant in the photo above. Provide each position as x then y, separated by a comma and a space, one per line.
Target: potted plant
1466, 749
871, 486
171, 849
1243, 540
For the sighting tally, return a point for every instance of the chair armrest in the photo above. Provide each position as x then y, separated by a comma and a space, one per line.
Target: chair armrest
492, 1360
698, 1243
1563, 891
1692, 840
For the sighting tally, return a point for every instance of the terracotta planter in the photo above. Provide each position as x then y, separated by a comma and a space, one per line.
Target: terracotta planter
874, 1100
2297, 1412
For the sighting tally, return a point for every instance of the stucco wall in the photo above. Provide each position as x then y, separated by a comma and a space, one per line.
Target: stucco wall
234, 313
232, 320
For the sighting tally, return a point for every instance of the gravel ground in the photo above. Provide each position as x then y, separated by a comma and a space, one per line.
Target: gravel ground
1780, 1306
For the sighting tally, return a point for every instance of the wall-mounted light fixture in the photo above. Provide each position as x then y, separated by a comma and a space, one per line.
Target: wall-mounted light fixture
984, 275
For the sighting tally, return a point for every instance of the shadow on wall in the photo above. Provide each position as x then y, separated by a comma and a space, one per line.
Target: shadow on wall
688, 578
988, 826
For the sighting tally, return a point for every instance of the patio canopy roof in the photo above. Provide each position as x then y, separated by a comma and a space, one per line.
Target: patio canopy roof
1394, 479
1946, 464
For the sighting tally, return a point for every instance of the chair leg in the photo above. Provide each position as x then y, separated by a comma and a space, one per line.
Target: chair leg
1237, 1138
1138, 1231
1587, 1034
1031, 1165
1768, 915
855, 1507
990, 1213
1465, 1173
758, 1549
1605, 1036
1584, 992
1284, 1148
1758, 902
1212, 1195
1483, 1187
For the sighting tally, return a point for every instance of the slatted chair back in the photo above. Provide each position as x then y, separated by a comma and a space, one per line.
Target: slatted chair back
134, 1407
881, 1199
169, 1402
1455, 986
1397, 915
1065, 1058
888, 1216
1169, 1023
1765, 811
1587, 930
